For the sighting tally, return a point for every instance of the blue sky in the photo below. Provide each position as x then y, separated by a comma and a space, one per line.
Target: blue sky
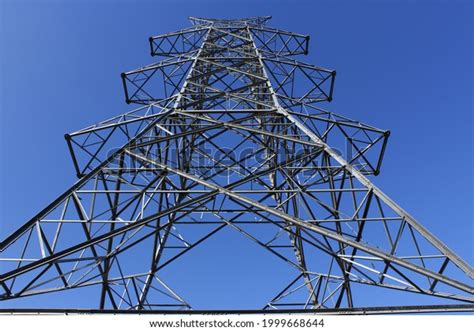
405, 66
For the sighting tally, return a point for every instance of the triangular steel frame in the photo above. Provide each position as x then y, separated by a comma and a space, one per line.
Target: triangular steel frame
229, 127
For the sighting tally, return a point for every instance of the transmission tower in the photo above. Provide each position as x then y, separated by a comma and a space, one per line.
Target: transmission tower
229, 135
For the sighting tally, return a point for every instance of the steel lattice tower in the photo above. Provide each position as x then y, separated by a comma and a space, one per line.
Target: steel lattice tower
229, 135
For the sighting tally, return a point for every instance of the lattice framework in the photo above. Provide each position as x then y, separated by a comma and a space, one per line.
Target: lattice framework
229, 134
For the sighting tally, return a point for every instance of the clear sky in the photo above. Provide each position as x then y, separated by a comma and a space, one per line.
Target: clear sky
402, 65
